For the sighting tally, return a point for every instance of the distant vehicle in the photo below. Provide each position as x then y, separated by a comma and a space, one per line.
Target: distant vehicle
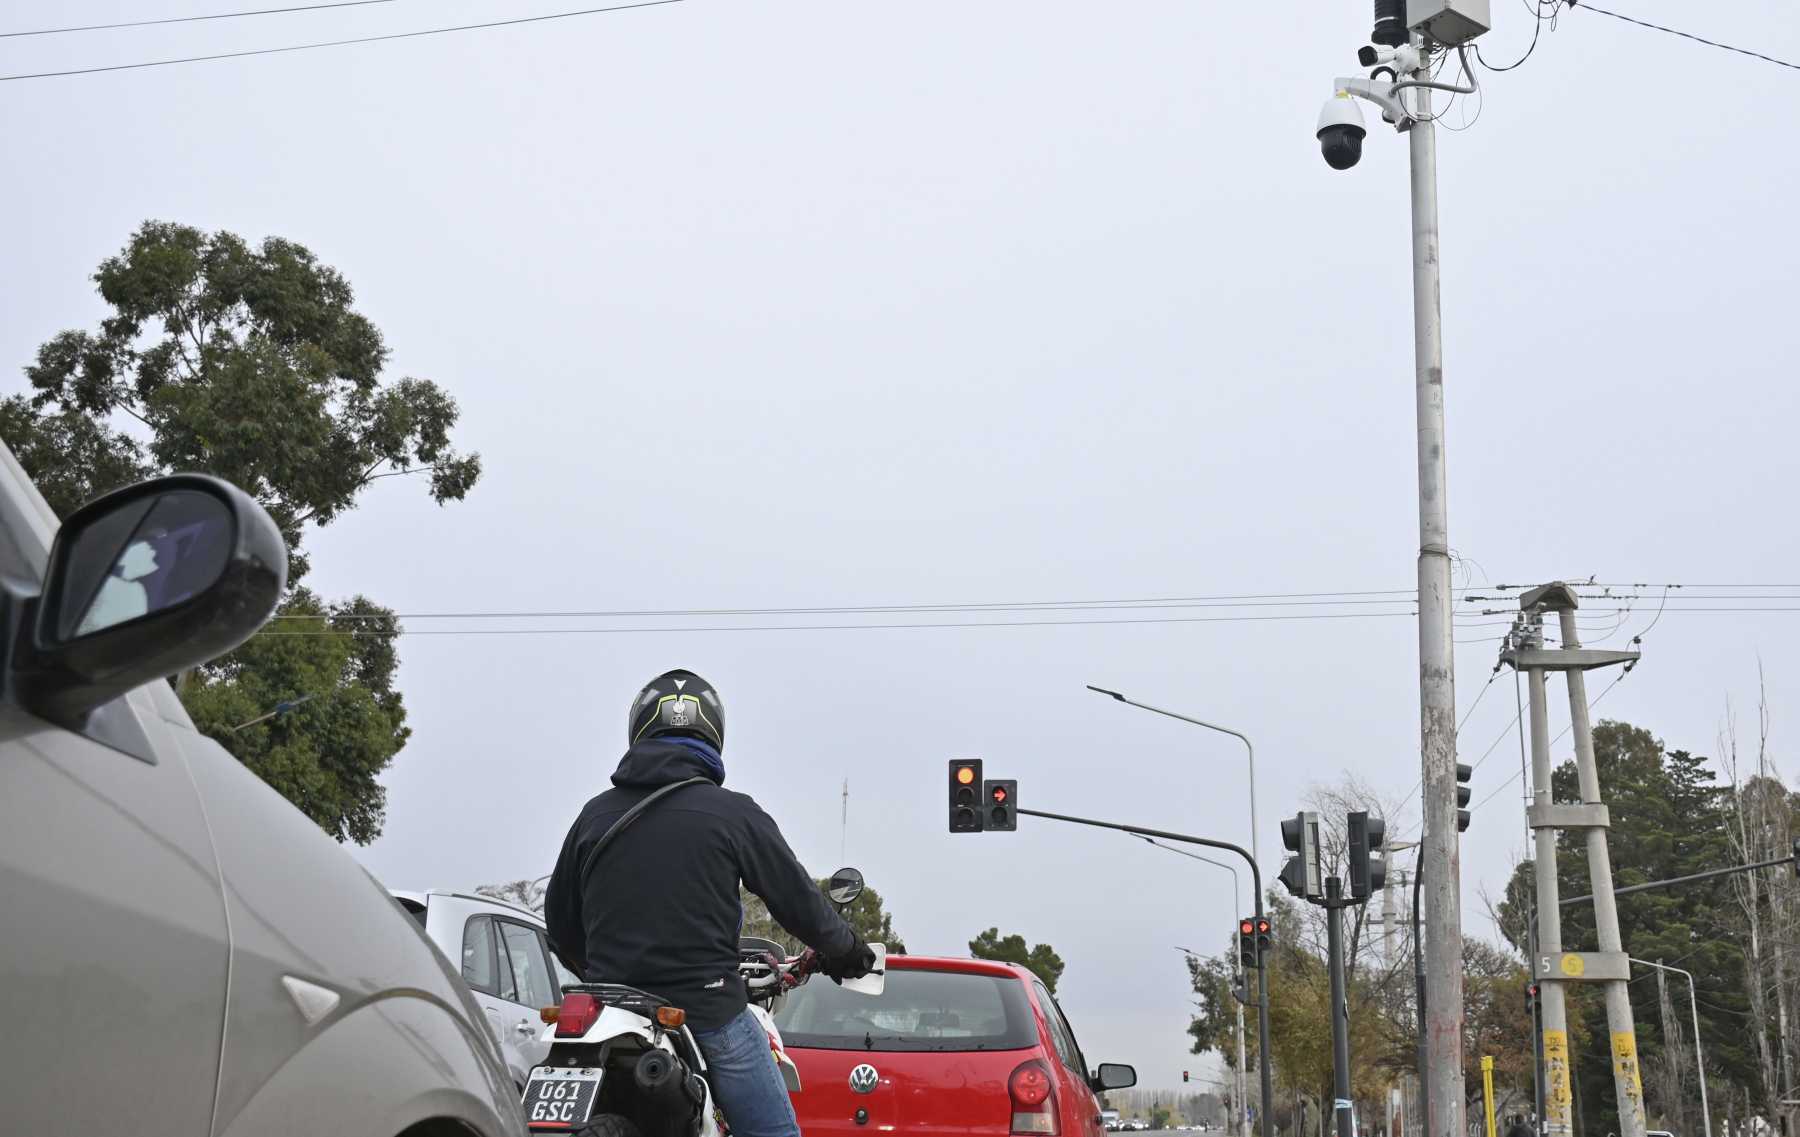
956, 1046
505, 958
1109, 1120
186, 954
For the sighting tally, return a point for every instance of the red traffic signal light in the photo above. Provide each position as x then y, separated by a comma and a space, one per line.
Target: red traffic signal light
1002, 796
1184, 1075
1263, 927
1246, 927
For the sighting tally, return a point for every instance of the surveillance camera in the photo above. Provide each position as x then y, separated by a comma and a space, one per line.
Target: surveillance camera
1368, 56
1341, 131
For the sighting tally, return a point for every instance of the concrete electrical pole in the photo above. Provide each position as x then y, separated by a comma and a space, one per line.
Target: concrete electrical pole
1551, 965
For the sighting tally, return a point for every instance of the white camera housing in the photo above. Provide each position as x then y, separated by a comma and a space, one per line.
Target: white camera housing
1341, 131
1449, 22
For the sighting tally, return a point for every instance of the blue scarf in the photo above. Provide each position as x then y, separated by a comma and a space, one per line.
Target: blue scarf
703, 750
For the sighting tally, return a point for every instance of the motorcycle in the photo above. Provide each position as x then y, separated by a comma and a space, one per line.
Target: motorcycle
623, 1062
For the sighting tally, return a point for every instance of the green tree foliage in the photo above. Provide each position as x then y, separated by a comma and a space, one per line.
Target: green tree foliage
325, 753
1041, 960
868, 916
250, 363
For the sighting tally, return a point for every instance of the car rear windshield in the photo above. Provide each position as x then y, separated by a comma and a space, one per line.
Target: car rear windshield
918, 1010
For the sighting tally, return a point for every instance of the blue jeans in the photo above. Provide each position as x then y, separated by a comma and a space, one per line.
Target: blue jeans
746, 1086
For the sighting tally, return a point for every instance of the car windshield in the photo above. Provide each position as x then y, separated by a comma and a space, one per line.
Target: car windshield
918, 1010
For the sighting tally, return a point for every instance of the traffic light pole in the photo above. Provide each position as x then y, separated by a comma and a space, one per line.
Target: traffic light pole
1340, 1007
1267, 1117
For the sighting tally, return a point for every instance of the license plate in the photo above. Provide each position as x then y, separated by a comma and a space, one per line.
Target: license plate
559, 1097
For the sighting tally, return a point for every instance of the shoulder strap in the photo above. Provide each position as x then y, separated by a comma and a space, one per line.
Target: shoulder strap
631, 815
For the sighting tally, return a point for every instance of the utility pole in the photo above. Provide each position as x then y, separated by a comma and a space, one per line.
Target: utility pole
1551, 965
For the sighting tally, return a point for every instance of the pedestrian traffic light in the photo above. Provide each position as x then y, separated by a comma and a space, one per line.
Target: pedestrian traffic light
1300, 834
1002, 798
1247, 942
1463, 773
965, 788
1368, 872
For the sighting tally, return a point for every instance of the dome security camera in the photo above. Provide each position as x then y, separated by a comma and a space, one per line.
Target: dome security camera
1341, 131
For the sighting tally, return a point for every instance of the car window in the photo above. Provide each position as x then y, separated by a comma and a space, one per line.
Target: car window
480, 966
1080, 1067
531, 971
564, 977
1059, 1035
917, 1010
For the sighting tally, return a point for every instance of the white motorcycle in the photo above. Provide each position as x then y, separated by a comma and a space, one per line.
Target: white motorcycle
623, 1063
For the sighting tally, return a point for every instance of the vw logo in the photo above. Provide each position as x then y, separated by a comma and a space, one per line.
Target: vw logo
864, 1079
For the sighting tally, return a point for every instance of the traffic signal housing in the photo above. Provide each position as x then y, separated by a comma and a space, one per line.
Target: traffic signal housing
1797, 858
1531, 998
1247, 942
1368, 872
1463, 773
1300, 835
1184, 1075
965, 795
1265, 937
1001, 803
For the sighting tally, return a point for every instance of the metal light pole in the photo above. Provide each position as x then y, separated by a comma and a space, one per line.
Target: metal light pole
1255, 829
1243, 1084
1699, 1056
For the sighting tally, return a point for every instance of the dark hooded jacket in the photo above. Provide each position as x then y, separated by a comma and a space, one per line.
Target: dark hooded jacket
659, 910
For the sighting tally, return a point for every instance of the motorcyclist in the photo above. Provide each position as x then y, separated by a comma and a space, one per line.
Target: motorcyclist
658, 908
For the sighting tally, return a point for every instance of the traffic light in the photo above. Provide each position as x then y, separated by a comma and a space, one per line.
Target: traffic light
1300, 834
1797, 857
1265, 937
1002, 797
1531, 998
1184, 1075
1463, 773
1247, 942
965, 788
1367, 870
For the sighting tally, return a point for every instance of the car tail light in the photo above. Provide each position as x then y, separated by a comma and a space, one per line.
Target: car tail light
1033, 1100
577, 1013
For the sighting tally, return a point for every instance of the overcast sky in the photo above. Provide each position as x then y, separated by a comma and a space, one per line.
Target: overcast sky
779, 304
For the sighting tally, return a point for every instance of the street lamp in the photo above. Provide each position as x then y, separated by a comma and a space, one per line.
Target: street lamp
281, 709
1699, 1056
1242, 737
1242, 1088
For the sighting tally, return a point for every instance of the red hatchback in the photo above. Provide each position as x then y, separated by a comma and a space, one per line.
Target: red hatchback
952, 1046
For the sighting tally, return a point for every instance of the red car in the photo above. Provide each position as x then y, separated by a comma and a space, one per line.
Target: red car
953, 1046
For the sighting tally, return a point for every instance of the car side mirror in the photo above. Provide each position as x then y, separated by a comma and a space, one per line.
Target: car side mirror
144, 583
1113, 1076
844, 887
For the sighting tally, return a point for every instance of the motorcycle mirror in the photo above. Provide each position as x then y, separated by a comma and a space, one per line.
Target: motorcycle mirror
845, 886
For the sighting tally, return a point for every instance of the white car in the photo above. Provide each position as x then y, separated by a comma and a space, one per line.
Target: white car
185, 954
505, 958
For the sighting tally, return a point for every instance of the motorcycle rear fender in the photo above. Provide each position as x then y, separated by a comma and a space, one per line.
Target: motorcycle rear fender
612, 1023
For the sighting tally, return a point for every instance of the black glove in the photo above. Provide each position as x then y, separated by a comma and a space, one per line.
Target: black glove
853, 964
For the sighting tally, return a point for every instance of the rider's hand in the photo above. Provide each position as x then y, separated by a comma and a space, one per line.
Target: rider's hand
853, 964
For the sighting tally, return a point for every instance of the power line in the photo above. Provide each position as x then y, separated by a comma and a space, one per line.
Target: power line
1582, 6
844, 627
1273, 600
339, 42
193, 19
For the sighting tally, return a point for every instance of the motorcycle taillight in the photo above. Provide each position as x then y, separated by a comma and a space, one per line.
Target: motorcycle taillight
578, 1012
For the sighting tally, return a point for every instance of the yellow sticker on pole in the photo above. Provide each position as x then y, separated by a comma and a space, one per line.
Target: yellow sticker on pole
1625, 1065
1557, 1098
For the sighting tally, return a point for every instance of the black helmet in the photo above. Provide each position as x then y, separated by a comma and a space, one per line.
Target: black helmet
677, 703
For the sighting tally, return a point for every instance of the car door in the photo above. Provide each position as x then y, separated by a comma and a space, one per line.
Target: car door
113, 978
114, 954
488, 973
534, 988
1081, 1109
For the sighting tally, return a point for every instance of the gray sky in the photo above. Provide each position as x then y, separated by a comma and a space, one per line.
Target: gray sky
804, 304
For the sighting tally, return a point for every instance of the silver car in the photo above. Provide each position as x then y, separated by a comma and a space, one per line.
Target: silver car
184, 952
506, 960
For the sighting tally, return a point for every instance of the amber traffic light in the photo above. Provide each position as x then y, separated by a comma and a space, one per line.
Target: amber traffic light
965, 792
